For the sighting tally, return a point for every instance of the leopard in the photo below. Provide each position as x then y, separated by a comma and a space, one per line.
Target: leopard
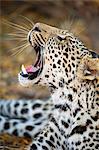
24, 118
71, 72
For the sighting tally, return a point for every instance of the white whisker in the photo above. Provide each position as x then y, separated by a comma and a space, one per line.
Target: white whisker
16, 27
22, 33
28, 20
20, 46
14, 39
27, 26
20, 51
18, 35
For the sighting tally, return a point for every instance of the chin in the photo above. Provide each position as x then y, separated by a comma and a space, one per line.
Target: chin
24, 81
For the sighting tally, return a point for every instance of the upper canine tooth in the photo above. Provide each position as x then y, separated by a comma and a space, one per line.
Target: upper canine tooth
24, 70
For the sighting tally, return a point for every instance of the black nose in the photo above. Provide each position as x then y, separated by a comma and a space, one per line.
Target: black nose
36, 29
30, 39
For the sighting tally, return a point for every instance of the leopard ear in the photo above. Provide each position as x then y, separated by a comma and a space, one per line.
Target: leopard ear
88, 69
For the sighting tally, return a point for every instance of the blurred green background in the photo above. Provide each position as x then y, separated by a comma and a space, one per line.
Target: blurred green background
83, 15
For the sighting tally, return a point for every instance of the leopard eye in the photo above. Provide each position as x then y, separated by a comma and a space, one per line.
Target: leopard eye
94, 55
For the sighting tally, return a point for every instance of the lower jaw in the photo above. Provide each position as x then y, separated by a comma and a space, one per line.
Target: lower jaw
33, 76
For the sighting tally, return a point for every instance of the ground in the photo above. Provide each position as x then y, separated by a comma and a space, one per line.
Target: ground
8, 142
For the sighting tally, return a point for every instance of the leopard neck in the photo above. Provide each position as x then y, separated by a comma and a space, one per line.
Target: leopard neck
75, 95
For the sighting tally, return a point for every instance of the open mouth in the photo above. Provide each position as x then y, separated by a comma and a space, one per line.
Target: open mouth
33, 71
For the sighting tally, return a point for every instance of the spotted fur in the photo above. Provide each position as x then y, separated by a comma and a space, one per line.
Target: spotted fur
24, 118
71, 72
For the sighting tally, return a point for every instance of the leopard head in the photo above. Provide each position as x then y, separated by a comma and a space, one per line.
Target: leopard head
59, 54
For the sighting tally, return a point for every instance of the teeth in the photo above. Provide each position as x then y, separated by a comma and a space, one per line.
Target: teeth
24, 70
38, 67
87, 72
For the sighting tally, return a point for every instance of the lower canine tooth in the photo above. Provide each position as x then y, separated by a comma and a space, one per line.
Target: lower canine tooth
24, 70
38, 67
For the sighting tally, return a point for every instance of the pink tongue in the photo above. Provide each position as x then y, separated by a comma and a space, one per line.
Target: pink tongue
31, 69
